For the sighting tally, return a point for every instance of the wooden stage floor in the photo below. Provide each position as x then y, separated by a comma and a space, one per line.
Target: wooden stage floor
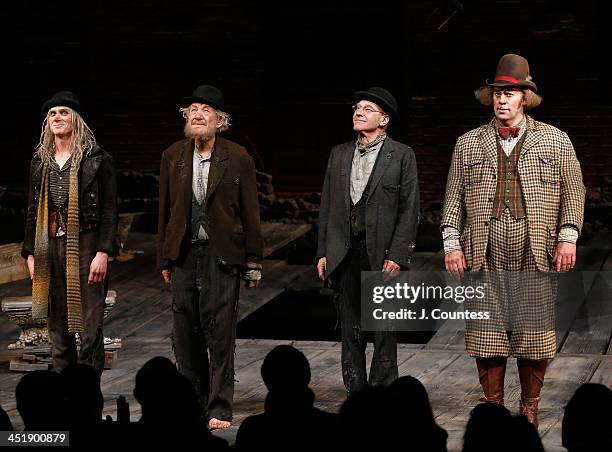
142, 319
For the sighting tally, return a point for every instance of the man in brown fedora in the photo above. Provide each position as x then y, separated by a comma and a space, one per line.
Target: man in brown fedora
71, 230
209, 237
514, 203
367, 222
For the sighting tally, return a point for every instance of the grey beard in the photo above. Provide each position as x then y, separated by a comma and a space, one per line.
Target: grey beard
189, 133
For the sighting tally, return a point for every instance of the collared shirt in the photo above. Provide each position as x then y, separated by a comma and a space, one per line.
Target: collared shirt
59, 182
361, 169
59, 187
509, 143
201, 168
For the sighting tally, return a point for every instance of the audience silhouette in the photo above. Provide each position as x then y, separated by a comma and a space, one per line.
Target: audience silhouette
488, 429
416, 416
84, 401
395, 416
587, 422
171, 411
524, 436
41, 401
370, 419
289, 416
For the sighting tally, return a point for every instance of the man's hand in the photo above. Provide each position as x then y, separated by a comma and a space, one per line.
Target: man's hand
251, 284
565, 256
390, 269
322, 268
166, 276
455, 263
31, 265
97, 269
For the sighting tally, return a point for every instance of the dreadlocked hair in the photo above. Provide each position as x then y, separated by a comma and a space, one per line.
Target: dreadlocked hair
83, 140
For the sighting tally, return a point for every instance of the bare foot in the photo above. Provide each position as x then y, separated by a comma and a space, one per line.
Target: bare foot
215, 424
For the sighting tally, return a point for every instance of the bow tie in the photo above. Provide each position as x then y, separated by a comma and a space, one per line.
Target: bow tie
506, 132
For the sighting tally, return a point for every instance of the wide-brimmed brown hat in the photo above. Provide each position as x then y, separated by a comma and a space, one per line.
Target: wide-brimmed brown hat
513, 72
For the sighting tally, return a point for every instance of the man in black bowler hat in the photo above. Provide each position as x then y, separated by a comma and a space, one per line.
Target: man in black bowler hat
71, 230
368, 222
209, 237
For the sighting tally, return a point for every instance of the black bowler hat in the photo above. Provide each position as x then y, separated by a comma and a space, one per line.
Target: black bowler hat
380, 97
62, 99
206, 94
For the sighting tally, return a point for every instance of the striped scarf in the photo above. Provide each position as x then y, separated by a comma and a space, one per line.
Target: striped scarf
40, 283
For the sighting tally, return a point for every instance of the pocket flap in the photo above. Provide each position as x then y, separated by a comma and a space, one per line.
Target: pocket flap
548, 160
473, 162
391, 187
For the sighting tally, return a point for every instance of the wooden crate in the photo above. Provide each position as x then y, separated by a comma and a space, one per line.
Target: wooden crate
13, 267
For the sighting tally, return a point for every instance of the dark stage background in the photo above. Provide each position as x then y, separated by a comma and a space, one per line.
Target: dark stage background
288, 71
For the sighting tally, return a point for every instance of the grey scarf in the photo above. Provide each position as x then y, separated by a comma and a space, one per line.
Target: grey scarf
364, 147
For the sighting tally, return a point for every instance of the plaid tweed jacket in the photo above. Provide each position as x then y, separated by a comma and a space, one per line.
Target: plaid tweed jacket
552, 187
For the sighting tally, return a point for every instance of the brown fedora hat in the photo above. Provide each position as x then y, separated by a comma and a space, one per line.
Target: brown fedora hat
513, 72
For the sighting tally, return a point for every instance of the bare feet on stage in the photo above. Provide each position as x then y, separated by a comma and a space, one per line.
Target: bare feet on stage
215, 424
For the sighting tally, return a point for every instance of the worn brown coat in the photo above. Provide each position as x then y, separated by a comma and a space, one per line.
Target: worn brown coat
232, 206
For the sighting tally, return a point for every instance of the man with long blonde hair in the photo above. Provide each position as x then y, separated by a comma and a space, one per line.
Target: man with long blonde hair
70, 232
513, 209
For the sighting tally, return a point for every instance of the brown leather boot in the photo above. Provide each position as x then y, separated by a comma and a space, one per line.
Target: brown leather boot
491, 373
531, 375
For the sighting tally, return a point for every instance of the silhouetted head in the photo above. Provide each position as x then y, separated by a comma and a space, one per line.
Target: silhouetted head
412, 396
369, 417
285, 368
489, 423
41, 401
167, 397
84, 400
587, 419
153, 378
524, 436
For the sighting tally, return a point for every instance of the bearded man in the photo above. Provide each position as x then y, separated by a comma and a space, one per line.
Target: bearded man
209, 237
